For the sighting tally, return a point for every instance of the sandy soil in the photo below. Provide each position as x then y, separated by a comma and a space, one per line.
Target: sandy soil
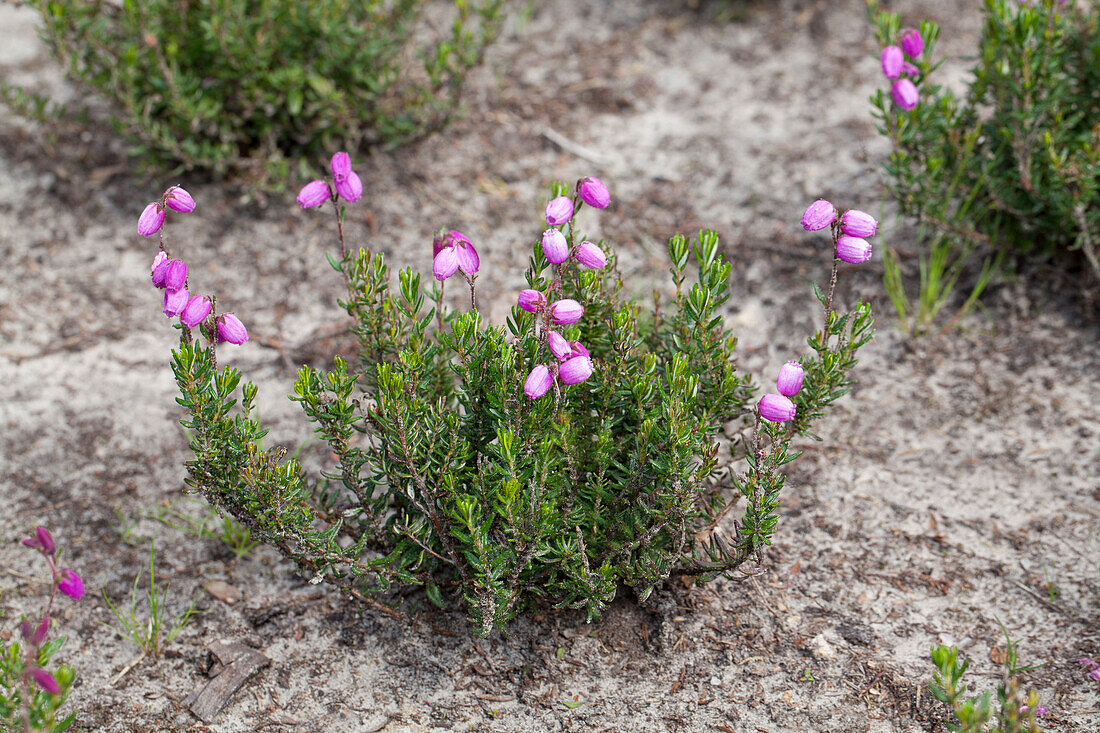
958, 485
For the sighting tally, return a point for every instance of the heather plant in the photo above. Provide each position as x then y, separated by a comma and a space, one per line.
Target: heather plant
31, 693
589, 443
1008, 169
244, 87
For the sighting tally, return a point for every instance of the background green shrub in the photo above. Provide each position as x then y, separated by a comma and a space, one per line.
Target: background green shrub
241, 86
1013, 165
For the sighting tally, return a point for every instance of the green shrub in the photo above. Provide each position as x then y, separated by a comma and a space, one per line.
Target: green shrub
1012, 167
454, 473
243, 86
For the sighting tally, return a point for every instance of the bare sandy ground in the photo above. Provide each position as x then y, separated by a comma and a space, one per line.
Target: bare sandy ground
958, 485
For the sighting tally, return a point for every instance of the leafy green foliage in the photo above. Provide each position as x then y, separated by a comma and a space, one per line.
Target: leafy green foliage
44, 710
1016, 711
447, 476
1010, 167
247, 85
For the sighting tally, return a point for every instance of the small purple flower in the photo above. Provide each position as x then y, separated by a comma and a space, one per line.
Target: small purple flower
351, 188
71, 584
565, 311
589, 255
196, 311
818, 215
175, 301
445, 263
44, 680
176, 199
231, 329
35, 635
341, 166
576, 369
538, 382
905, 94
531, 301
175, 274
856, 223
151, 220
892, 59
910, 69
42, 540
776, 407
790, 379
559, 211
158, 261
853, 250
593, 192
911, 42
578, 349
559, 346
554, 246
454, 251
313, 194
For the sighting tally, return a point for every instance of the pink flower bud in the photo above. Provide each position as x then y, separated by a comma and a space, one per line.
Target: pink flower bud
589, 255
892, 59
790, 378
538, 382
554, 246
151, 220
559, 211
159, 264
858, 223
341, 166
445, 263
559, 346
231, 329
578, 348
776, 407
176, 199
563, 312
41, 540
35, 635
576, 370
313, 194
910, 69
818, 215
531, 301
911, 42
351, 188
175, 274
853, 250
196, 311
71, 584
175, 301
593, 192
44, 680
905, 94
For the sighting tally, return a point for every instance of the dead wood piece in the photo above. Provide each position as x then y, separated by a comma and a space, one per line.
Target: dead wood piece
237, 663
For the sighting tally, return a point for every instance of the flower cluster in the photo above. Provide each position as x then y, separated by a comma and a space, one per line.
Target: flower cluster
453, 251
346, 184
170, 275
573, 365
849, 229
901, 71
69, 583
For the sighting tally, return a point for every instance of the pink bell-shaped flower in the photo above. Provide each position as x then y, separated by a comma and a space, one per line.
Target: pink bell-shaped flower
70, 584
313, 194
857, 223
790, 379
176, 199
531, 301
538, 382
566, 311
576, 369
151, 220
853, 250
175, 301
554, 246
818, 215
589, 255
593, 192
559, 211
776, 407
231, 329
